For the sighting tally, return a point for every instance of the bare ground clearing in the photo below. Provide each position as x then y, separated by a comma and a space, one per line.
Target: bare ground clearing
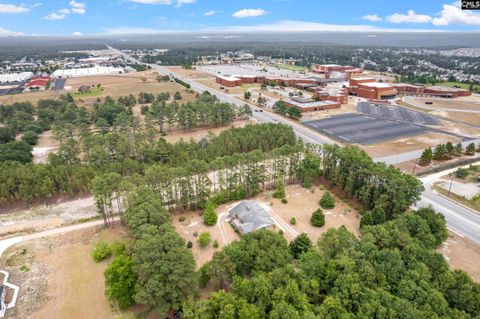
47, 216
462, 254
407, 144
61, 280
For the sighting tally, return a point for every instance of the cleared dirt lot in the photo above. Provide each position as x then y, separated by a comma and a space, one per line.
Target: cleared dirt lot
408, 144
62, 280
21, 221
462, 254
32, 97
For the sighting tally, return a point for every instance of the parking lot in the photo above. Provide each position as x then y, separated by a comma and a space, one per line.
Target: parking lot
58, 84
353, 128
398, 113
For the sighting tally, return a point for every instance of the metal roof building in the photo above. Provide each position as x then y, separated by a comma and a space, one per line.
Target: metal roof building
248, 216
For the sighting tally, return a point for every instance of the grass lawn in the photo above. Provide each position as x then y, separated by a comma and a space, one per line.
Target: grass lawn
475, 205
292, 67
93, 92
464, 86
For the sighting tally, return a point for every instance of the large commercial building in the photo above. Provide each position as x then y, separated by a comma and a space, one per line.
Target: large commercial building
337, 71
238, 80
366, 87
15, 77
82, 72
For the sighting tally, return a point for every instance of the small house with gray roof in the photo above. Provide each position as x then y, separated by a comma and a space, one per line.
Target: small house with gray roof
248, 216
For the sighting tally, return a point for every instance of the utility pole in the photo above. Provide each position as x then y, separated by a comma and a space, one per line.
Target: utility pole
450, 188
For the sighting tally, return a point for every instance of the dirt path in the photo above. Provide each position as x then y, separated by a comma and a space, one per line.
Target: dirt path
6, 243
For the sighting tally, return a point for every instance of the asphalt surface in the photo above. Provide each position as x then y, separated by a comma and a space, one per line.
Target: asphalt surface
459, 219
363, 129
395, 112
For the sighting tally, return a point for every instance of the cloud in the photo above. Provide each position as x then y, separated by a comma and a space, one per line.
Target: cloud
12, 8
55, 16
410, 17
78, 7
209, 13
246, 13
180, 3
77, 34
280, 26
372, 17
64, 11
36, 5
453, 15
8, 33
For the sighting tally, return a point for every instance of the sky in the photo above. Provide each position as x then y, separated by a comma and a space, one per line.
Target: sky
106, 17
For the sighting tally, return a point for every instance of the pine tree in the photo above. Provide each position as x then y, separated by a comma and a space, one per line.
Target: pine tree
426, 157
209, 215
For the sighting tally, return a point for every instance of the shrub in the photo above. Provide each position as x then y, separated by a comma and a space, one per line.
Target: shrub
327, 201
293, 221
204, 239
215, 244
280, 232
317, 219
118, 249
284, 201
101, 251
181, 219
195, 234
120, 281
34, 128
30, 137
209, 215
189, 244
374, 217
461, 173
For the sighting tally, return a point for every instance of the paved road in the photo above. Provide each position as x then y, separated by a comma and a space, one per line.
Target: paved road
459, 219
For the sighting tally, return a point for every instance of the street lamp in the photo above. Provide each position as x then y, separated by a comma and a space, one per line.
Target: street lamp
450, 188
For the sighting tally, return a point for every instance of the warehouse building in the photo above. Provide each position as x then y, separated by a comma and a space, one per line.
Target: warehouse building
83, 72
15, 77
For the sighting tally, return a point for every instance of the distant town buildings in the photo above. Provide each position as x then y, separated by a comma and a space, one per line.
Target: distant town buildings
94, 71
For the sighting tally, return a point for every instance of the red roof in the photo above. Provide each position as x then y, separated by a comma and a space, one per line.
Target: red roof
43, 81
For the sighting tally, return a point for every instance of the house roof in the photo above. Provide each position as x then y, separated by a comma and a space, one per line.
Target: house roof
251, 215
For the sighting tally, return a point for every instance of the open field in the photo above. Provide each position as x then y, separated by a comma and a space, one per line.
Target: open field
464, 103
462, 254
191, 74
470, 118
31, 97
60, 279
116, 86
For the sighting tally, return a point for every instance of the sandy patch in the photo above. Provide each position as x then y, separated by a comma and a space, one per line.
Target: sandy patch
463, 254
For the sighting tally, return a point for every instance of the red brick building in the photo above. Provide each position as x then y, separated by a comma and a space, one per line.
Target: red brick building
309, 105
228, 80
405, 88
366, 87
447, 92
